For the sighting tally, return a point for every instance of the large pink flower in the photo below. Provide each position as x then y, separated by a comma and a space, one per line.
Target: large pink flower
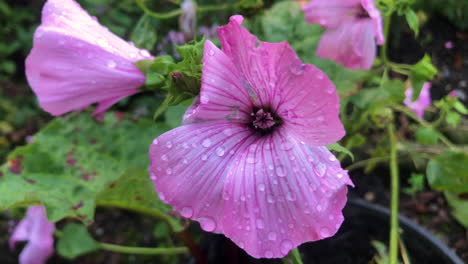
353, 27
76, 62
419, 105
250, 161
39, 233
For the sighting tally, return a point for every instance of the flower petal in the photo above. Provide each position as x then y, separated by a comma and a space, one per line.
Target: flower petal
223, 95
189, 165
329, 13
374, 13
76, 62
282, 193
351, 44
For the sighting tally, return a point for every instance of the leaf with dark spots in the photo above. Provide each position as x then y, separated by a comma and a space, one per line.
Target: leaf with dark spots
15, 164
31, 181
78, 206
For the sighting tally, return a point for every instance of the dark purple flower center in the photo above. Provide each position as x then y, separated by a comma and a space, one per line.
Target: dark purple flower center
362, 13
264, 121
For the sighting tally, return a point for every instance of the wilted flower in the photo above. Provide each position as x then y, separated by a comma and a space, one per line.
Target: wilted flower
250, 160
76, 62
419, 105
353, 27
38, 232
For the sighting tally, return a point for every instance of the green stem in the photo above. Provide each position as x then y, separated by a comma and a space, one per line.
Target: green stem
167, 15
209, 8
424, 123
387, 21
154, 213
395, 184
143, 250
294, 257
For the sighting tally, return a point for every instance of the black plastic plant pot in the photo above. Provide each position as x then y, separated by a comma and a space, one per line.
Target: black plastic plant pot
364, 222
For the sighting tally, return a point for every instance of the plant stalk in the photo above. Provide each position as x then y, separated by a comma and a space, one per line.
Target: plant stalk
395, 186
143, 250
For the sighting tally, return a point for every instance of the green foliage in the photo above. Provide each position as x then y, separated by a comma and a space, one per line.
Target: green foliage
338, 148
413, 21
421, 72
416, 182
75, 162
75, 241
455, 10
144, 34
459, 207
426, 136
449, 172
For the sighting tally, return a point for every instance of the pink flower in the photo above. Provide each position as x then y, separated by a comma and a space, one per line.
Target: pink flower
353, 27
423, 101
39, 233
250, 160
76, 62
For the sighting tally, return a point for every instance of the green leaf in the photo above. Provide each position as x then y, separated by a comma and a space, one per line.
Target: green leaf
426, 136
452, 118
416, 182
421, 72
412, 20
174, 115
460, 107
144, 34
459, 207
246, 4
449, 172
75, 159
338, 148
75, 241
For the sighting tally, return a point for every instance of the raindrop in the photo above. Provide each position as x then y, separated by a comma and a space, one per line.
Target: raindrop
330, 90
286, 246
208, 224
291, 196
204, 157
268, 254
164, 157
272, 236
260, 223
211, 52
325, 232
152, 176
206, 143
185, 161
220, 151
242, 198
187, 212
251, 159
204, 99
270, 199
280, 171
185, 145
231, 152
332, 158
155, 141
228, 132
111, 64
319, 208
102, 43
261, 187
169, 171
145, 53
169, 144
286, 146
320, 169
339, 175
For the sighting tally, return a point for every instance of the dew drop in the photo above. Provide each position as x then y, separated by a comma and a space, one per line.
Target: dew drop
155, 141
185, 145
111, 64
242, 198
280, 171
231, 152
169, 144
145, 53
228, 132
169, 171
261, 187
251, 159
260, 223
185, 161
272, 236
268, 254
286, 246
324, 232
332, 158
152, 176
206, 143
286, 146
270, 199
339, 175
330, 90
291, 196
208, 224
187, 212
320, 169
204, 99
102, 43
211, 52
204, 157
220, 151
164, 157
319, 208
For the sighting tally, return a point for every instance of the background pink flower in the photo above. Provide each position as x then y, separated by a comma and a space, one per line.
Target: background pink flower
424, 100
38, 232
250, 161
76, 62
353, 27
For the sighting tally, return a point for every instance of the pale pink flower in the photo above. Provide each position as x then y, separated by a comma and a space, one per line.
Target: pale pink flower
419, 105
39, 234
76, 62
250, 160
353, 28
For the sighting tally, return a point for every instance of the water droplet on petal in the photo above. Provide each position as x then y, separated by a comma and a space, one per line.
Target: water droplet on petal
145, 53
320, 169
286, 146
319, 208
291, 196
169, 144
332, 158
187, 212
280, 171
152, 176
111, 64
339, 175
251, 159
208, 224
286, 246
204, 99
228, 132
204, 157
324, 232
261, 187
268, 254
185, 161
155, 141
211, 52
164, 157
169, 171
220, 151
272, 236
260, 223
206, 143
270, 199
